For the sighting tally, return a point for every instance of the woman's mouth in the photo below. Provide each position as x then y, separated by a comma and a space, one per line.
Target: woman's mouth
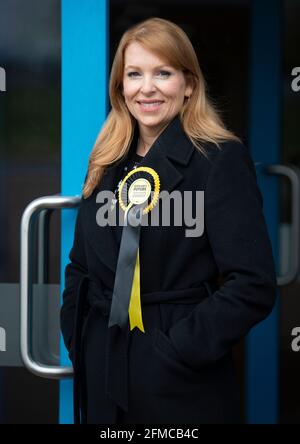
148, 106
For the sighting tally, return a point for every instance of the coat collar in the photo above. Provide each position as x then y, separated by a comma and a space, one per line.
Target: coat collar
171, 149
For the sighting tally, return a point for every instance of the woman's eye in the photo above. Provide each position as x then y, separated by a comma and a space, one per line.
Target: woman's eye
164, 73
133, 74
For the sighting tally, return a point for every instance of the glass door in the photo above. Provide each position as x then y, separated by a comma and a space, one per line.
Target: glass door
30, 124
290, 295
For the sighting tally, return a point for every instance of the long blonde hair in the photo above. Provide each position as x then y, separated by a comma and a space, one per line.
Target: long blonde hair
199, 118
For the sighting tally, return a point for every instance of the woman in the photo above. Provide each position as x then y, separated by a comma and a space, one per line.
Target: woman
177, 367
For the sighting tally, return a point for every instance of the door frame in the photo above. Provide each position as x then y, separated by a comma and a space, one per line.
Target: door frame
84, 77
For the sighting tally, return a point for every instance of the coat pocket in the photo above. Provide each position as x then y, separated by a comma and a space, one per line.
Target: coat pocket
170, 315
164, 346
164, 343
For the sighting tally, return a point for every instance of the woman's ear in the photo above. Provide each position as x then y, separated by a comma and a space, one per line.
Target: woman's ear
188, 92
189, 85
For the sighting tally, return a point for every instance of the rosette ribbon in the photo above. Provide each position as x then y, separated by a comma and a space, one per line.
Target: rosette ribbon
143, 187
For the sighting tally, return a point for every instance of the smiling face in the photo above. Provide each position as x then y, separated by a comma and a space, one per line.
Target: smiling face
153, 90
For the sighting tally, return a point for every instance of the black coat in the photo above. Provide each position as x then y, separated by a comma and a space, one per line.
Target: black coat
180, 370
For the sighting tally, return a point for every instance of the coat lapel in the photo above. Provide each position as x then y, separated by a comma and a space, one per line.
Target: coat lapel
170, 151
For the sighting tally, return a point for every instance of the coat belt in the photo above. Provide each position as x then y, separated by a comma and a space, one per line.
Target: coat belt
116, 352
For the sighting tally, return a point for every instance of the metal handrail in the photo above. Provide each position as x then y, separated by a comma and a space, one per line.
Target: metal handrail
37, 205
292, 173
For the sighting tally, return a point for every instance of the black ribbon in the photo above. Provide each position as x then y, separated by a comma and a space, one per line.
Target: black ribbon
125, 268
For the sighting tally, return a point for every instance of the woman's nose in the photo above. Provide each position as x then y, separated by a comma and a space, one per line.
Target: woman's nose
148, 84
